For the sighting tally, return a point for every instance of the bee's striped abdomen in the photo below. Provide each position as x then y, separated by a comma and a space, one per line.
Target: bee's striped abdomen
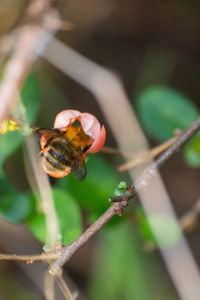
52, 164
61, 156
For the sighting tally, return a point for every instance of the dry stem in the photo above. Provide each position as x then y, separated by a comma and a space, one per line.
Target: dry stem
147, 155
29, 259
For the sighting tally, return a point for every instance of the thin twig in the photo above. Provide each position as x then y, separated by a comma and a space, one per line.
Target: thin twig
189, 220
140, 158
147, 155
65, 289
109, 150
49, 286
117, 207
69, 250
29, 259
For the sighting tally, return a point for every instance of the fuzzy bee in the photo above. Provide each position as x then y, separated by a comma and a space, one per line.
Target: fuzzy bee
63, 150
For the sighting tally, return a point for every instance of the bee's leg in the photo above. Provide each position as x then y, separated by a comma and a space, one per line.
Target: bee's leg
87, 148
44, 150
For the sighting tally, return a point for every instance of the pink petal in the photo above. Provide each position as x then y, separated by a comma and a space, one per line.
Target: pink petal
62, 119
90, 125
99, 142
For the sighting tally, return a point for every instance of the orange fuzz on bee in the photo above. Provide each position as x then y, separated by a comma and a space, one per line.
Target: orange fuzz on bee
64, 149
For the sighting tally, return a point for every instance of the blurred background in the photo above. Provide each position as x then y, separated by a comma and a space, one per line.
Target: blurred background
153, 47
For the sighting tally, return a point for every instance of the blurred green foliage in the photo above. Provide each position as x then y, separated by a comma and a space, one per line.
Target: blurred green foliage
122, 269
93, 193
68, 214
31, 96
162, 110
9, 143
144, 226
192, 152
14, 205
28, 110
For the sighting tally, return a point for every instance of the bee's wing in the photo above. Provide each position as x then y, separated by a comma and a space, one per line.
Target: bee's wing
80, 172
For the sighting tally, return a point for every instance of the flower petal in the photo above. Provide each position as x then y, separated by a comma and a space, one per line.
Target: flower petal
99, 142
90, 124
63, 118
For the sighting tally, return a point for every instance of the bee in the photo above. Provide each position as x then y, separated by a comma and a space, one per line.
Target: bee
63, 150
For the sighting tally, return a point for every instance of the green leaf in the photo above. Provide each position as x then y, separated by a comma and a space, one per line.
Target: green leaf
31, 96
119, 192
9, 143
94, 191
122, 185
15, 207
68, 214
121, 189
192, 152
163, 109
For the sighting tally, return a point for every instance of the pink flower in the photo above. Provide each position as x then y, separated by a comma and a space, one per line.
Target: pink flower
90, 124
